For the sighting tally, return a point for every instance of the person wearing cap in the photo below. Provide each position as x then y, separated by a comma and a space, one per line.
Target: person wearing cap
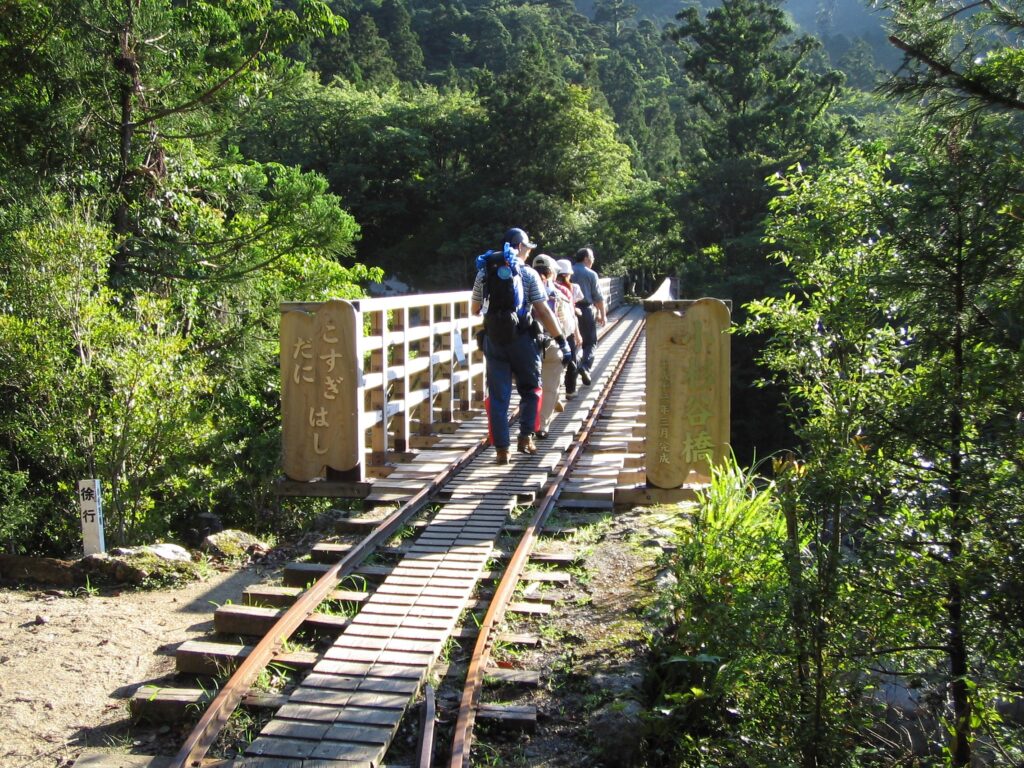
593, 314
552, 364
520, 358
563, 282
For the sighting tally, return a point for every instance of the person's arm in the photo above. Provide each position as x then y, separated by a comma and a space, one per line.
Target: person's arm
547, 318
595, 292
476, 302
536, 295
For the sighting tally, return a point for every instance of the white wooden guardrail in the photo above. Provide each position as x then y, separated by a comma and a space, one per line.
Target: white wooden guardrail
367, 378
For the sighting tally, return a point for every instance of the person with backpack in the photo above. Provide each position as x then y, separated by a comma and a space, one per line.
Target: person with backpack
511, 295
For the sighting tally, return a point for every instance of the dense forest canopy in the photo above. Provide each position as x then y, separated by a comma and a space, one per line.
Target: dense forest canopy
171, 170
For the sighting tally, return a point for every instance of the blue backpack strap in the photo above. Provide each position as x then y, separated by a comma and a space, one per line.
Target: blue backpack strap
520, 293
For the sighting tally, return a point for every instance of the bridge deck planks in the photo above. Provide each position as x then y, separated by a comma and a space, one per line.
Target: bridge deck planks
348, 707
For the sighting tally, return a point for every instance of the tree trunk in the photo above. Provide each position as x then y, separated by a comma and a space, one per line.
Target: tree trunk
126, 62
958, 659
798, 617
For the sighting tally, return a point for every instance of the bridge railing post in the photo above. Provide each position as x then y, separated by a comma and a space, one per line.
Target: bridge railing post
383, 374
687, 429
321, 371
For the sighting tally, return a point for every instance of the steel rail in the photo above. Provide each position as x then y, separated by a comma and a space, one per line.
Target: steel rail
213, 720
463, 732
217, 713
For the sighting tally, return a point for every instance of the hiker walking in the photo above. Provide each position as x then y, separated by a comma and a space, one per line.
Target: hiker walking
511, 294
571, 326
592, 307
552, 365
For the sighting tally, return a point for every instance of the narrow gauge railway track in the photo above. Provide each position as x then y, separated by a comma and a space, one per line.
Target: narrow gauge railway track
347, 709
470, 703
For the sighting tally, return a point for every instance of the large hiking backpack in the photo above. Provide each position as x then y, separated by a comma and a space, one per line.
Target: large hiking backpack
505, 313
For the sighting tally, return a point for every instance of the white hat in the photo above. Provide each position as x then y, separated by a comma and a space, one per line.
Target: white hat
564, 267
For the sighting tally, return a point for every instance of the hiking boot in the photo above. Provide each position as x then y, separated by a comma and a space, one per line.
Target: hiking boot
540, 434
559, 407
585, 377
501, 455
526, 444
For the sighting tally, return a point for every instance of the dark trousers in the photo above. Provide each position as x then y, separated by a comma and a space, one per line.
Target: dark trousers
572, 369
519, 360
588, 330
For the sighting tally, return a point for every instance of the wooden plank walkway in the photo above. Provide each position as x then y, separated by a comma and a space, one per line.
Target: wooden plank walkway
351, 704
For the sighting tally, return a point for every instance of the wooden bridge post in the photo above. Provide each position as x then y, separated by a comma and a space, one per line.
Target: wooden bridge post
476, 393
399, 358
421, 376
378, 363
321, 387
688, 403
444, 371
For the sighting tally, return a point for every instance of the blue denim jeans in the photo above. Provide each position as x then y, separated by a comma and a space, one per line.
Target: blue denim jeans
520, 359
588, 330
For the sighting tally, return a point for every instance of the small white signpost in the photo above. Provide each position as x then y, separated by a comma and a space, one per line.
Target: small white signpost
92, 516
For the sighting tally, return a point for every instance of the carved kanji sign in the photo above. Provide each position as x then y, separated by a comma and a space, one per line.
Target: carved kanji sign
687, 391
320, 371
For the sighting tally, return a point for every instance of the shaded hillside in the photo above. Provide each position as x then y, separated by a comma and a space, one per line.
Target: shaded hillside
837, 22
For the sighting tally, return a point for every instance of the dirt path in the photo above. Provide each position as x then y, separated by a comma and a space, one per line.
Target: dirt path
69, 664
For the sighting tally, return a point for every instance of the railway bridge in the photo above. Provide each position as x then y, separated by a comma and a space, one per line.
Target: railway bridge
382, 403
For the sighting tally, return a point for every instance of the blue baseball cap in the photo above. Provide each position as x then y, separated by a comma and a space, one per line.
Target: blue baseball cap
515, 237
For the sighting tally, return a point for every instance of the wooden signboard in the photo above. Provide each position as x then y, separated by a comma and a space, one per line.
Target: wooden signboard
687, 391
320, 374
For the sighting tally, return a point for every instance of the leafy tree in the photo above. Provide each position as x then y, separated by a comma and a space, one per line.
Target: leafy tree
435, 177
623, 88
632, 231
961, 60
30, 82
613, 14
371, 64
858, 65
662, 151
98, 391
762, 109
903, 368
129, 81
737, 678
964, 55
761, 103
173, 251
